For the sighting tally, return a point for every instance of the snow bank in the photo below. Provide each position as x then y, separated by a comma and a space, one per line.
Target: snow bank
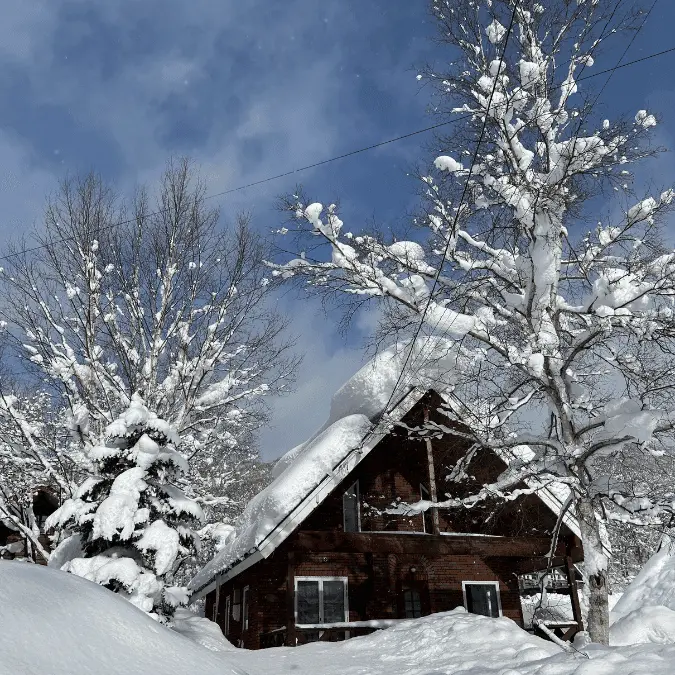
653, 586
200, 630
456, 643
643, 625
646, 611
57, 623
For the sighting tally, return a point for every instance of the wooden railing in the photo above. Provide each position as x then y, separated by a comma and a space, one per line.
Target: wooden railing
304, 635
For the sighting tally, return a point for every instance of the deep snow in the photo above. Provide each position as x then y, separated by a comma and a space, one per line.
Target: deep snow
55, 623
59, 624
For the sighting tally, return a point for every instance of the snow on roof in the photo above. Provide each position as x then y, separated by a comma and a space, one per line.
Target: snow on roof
268, 509
306, 475
320, 463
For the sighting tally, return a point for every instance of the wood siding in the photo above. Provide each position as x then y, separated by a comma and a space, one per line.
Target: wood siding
392, 552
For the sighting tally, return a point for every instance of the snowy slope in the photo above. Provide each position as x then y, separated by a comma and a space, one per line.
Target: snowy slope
456, 643
646, 610
653, 586
54, 623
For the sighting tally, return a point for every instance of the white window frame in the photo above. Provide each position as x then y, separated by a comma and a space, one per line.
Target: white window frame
358, 506
228, 609
483, 583
244, 608
345, 582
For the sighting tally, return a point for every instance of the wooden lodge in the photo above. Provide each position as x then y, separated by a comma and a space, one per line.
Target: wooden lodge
340, 564
14, 544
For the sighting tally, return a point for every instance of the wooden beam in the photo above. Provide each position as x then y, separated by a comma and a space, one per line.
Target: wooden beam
423, 544
574, 595
433, 493
291, 638
529, 565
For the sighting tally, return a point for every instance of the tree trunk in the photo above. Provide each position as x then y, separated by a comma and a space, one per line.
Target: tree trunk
595, 563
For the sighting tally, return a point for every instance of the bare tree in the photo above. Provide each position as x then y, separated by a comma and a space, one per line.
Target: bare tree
565, 334
155, 298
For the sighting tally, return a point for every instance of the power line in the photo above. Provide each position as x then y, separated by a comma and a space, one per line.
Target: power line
326, 161
532, 208
457, 214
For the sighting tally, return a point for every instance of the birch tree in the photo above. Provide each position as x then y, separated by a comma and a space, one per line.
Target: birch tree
156, 298
534, 253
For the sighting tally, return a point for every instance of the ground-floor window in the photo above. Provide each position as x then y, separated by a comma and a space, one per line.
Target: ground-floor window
412, 603
482, 597
321, 600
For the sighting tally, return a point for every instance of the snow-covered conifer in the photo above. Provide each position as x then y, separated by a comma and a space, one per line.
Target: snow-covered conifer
131, 526
569, 328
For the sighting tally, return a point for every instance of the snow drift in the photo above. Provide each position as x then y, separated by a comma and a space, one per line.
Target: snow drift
646, 611
57, 623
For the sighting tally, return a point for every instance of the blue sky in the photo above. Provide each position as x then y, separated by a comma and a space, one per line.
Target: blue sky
249, 89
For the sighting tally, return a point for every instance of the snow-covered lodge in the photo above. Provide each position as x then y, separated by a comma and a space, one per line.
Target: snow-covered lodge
319, 554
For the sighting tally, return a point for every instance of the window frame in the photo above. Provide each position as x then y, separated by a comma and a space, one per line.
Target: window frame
483, 583
356, 485
320, 580
414, 592
228, 610
245, 599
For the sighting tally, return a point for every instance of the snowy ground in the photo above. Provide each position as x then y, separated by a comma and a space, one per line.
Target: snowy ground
54, 623
57, 624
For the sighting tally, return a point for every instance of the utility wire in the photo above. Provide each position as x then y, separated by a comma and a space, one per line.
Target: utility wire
456, 219
611, 72
326, 161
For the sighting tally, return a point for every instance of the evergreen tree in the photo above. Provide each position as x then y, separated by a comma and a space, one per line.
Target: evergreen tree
131, 525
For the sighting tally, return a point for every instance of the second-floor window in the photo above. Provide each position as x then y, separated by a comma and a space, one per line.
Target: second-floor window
351, 517
244, 609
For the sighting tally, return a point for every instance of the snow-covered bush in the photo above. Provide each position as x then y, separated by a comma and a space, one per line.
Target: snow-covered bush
131, 525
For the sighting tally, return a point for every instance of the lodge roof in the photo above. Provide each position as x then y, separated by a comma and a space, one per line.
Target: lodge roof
305, 477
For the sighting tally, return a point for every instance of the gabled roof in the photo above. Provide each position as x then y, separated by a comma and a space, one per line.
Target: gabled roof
305, 477
308, 474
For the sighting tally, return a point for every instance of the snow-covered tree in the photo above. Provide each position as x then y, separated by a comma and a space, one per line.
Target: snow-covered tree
131, 526
157, 299
569, 330
35, 453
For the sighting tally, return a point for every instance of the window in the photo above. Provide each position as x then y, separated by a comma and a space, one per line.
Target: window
228, 602
320, 600
482, 597
244, 609
236, 605
412, 603
351, 521
428, 515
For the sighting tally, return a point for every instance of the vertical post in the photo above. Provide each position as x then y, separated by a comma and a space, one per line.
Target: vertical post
432, 477
574, 596
217, 602
291, 638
